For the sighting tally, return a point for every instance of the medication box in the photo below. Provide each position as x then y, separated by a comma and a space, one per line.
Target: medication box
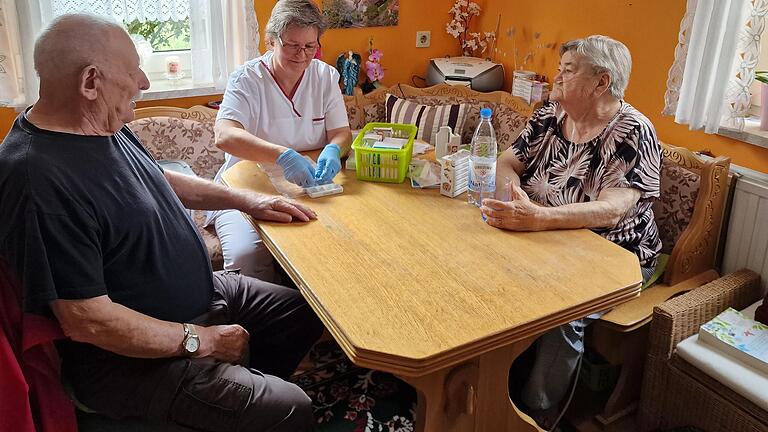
377, 157
454, 173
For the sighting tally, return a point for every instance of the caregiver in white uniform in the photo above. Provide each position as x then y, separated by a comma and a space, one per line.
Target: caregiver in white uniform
275, 106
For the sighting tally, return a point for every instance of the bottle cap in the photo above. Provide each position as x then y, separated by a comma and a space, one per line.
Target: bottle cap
486, 113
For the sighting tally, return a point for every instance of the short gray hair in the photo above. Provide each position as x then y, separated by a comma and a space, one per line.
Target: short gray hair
301, 13
71, 42
606, 55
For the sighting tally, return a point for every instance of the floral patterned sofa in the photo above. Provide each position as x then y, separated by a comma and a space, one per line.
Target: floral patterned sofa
184, 134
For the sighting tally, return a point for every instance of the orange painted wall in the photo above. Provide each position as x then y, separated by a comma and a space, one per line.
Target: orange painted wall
401, 58
649, 28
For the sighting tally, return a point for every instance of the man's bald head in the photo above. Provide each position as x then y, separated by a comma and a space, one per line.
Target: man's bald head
72, 42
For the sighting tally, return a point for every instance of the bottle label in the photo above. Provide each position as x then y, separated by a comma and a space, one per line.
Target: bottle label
482, 176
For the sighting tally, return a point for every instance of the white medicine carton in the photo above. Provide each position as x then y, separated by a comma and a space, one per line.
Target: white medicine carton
454, 173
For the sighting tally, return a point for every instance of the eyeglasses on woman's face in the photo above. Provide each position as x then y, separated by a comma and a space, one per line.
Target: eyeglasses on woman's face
309, 49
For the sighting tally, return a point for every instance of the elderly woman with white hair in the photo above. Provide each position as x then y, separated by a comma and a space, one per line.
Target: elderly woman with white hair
275, 106
587, 159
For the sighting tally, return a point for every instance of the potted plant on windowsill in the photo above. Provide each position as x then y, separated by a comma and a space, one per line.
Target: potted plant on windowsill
762, 76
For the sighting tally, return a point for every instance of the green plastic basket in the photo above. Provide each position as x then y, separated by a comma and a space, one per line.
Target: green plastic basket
384, 165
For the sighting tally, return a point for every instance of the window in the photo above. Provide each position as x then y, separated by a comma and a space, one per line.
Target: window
187, 47
710, 83
161, 35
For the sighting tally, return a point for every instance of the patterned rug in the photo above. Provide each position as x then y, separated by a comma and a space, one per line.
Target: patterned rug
346, 398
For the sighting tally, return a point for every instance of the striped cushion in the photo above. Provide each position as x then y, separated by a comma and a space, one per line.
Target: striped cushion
427, 118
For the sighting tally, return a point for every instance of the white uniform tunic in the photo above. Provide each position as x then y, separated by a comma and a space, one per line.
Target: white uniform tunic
295, 118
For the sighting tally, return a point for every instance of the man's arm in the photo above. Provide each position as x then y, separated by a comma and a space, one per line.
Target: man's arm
116, 328
521, 214
200, 194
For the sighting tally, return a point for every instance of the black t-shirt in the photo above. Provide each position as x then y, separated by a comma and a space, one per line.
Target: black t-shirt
85, 216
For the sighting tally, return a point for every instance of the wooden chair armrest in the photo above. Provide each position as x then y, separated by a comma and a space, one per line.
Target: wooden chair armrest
696, 248
637, 312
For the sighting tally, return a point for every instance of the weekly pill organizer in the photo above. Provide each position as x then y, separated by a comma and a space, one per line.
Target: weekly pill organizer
323, 190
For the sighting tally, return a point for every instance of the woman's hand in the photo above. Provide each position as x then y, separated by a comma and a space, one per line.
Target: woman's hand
519, 214
328, 164
296, 168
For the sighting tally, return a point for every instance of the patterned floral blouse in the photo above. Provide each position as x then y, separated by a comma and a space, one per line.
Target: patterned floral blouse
625, 155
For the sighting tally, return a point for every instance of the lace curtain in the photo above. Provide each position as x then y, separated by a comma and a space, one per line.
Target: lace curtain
224, 35
715, 59
126, 10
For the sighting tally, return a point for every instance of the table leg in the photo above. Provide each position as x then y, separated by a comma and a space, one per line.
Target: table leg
472, 396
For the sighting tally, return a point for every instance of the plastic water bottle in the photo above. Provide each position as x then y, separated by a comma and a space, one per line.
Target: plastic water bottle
482, 161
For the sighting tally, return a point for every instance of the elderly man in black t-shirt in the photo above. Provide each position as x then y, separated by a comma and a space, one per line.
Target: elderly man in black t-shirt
98, 234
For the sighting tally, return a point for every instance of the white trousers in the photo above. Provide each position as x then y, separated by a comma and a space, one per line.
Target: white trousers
242, 247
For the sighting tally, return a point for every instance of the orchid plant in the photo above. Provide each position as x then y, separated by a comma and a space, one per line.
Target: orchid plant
471, 43
373, 67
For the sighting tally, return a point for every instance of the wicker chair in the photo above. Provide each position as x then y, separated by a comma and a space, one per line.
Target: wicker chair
171, 133
670, 383
690, 217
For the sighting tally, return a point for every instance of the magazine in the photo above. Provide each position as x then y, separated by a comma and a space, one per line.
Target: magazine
738, 336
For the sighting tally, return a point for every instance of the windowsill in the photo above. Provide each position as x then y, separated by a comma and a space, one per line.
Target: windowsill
162, 88
751, 133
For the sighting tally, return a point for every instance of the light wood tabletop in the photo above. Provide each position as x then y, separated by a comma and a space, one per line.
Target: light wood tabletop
412, 282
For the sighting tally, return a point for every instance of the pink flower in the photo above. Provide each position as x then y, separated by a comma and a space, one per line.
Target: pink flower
376, 55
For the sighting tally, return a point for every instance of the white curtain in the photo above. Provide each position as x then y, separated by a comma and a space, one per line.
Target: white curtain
225, 34
11, 67
709, 55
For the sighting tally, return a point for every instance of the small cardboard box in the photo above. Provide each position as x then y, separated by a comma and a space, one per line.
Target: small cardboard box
454, 173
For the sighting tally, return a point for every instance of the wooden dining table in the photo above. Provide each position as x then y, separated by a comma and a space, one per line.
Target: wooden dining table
415, 283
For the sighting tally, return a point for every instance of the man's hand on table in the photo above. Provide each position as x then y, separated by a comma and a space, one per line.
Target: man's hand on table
518, 214
276, 208
228, 343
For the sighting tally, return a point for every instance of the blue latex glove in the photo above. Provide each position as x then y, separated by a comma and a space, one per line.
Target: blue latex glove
328, 164
296, 168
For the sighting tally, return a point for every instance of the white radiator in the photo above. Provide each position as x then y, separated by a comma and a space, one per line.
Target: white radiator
746, 243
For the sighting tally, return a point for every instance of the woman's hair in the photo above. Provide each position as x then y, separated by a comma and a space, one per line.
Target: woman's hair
302, 13
606, 55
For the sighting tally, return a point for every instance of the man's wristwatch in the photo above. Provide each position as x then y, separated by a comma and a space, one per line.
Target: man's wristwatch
191, 341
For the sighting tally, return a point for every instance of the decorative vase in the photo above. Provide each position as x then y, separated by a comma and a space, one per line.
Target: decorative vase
763, 106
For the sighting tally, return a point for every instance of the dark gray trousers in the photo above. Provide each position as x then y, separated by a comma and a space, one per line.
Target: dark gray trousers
207, 394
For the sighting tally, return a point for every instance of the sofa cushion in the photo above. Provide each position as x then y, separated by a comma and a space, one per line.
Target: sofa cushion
355, 116
373, 113
507, 123
428, 118
726, 369
674, 208
189, 140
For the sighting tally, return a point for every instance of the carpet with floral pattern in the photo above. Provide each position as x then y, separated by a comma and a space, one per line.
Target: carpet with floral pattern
347, 398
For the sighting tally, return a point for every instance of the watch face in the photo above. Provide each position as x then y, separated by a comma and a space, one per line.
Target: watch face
191, 344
